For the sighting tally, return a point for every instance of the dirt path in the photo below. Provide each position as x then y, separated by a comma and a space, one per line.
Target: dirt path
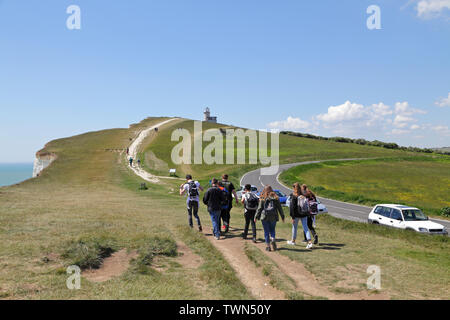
233, 250
306, 282
113, 266
258, 285
133, 151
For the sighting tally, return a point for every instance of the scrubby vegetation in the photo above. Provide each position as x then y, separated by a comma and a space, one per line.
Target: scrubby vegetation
375, 143
89, 252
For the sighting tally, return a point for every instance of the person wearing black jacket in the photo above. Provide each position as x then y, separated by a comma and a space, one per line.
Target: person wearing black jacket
297, 215
231, 191
213, 198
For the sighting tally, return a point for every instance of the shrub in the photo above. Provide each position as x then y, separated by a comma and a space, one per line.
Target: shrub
445, 212
156, 246
89, 252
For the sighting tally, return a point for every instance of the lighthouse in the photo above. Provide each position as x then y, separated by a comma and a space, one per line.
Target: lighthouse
208, 117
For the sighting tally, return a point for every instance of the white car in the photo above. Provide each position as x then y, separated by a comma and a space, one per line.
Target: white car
239, 192
320, 206
404, 217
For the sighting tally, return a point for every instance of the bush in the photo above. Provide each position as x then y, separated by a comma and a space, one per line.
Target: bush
445, 212
156, 247
89, 252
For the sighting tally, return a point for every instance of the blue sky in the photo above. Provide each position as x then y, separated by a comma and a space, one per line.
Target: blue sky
309, 66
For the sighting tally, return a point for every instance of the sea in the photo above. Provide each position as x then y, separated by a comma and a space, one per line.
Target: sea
12, 173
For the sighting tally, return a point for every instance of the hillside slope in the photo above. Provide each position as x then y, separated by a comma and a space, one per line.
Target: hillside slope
87, 204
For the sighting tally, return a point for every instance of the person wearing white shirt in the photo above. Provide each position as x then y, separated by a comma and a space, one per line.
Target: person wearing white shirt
192, 188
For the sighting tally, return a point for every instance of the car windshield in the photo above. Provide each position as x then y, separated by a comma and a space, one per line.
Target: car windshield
414, 215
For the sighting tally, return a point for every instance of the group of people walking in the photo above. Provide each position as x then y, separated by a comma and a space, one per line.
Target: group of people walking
266, 208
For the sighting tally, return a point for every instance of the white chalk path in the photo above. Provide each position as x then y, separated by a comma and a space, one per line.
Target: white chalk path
133, 151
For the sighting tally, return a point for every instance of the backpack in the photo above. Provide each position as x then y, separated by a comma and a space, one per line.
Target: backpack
193, 190
293, 206
225, 203
303, 206
226, 185
251, 202
270, 210
313, 207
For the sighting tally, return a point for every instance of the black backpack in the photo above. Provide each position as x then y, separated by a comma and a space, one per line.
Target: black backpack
293, 207
252, 202
193, 190
226, 185
270, 210
225, 203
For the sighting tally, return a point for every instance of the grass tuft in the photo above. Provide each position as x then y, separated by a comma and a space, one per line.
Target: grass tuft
88, 253
156, 246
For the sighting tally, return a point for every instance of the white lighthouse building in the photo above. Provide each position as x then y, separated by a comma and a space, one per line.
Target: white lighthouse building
208, 117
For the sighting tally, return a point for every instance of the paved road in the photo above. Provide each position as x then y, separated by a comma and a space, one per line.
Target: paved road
336, 208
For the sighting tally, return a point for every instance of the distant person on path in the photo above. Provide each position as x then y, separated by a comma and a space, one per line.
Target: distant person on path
191, 188
268, 210
225, 214
139, 162
250, 202
131, 161
213, 198
128, 151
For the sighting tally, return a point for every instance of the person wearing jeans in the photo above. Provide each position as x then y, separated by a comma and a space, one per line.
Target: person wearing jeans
299, 211
215, 219
269, 230
268, 210
214, 198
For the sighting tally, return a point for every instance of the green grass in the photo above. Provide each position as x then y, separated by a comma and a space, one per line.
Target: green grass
86, 194
422, 182
215, 270
89, 253
292, 149
153, 247
88, 198
276, 277
413, 265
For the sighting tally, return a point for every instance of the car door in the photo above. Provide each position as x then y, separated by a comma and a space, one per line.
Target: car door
385, 215
380, 214
396, 219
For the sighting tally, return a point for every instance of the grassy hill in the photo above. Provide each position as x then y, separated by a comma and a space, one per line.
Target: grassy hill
422, 182
87, 205
156, 155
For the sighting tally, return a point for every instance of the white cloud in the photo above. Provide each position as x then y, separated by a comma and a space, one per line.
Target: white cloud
399, 131
443, 130
432, 8
354, 114
402, 121
343, 112
444, 102
353, 118
290, 123
403, 108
